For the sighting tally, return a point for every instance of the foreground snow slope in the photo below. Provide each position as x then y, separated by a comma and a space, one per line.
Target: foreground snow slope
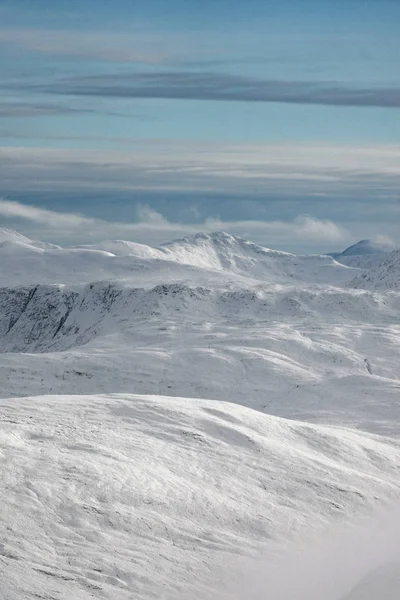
121, 496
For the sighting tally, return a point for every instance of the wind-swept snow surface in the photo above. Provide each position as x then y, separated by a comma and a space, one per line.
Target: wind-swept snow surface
127, 496
119, 480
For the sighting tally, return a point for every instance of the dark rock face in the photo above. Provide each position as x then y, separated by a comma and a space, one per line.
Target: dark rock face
49, 318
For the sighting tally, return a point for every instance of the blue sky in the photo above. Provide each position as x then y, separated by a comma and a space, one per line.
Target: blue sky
249, 116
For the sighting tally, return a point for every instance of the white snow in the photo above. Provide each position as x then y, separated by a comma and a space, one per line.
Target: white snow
9, 235
170, 415
127, 496
205, 257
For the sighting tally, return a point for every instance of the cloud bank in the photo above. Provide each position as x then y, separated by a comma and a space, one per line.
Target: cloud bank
153, 228
195, 186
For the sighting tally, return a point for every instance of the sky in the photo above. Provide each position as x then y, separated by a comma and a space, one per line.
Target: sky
275, 121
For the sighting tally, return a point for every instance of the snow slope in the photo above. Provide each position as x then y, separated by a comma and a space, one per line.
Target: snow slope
126, 496
381, 273
378, 265
120, 480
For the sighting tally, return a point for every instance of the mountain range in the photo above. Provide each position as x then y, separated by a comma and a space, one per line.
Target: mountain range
177, 421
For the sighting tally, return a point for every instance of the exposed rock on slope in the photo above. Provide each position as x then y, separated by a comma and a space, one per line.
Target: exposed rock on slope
42, 318
381, 273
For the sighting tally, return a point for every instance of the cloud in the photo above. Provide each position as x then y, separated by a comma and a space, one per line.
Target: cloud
238, 187
302, 228
146, 214
52, 218
14, 109
33, 109
142, 45
386, 240
194, 85
347, 559
133, 48
152, 227
315, 170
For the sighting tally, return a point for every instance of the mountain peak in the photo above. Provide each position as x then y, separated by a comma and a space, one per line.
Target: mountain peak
9, 235
367, 247
213, 237
364, 247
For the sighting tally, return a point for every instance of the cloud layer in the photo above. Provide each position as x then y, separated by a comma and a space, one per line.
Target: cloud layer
187, 85
238, 187
153, 228
253, 169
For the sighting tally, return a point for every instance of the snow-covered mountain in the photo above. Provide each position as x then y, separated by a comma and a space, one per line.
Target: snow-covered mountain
218, 256
377, 263
14, 239
363, 247
169, 414
9, 235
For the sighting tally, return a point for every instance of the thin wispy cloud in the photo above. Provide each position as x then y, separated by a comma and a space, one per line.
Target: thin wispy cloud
145, 45
32, 109
9, 109
193, 85
90, 45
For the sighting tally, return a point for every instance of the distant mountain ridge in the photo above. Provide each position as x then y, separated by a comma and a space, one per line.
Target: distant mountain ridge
219, 255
